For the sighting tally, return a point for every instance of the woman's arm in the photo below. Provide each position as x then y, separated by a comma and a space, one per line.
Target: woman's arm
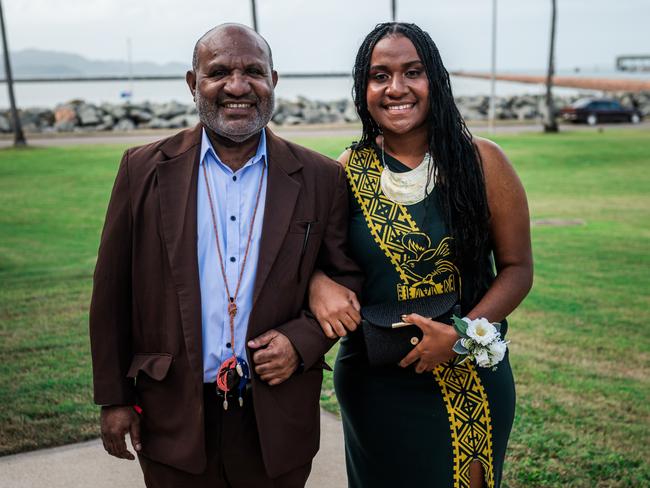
510, 235
335, 307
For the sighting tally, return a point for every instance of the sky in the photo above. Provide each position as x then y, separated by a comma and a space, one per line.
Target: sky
324, 35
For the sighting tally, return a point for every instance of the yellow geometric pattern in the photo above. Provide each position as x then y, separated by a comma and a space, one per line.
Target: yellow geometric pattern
409, 250
364, 171
398, 236
469, 419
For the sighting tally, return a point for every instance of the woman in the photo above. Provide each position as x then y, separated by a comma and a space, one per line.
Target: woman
430, 207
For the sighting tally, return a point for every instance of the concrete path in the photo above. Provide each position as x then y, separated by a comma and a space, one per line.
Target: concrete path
145, 136
86, 465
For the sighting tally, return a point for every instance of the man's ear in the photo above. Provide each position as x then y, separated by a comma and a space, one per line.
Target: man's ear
190, 78
274, 77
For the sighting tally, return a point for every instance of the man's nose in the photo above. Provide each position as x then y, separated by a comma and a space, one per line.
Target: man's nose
237, 85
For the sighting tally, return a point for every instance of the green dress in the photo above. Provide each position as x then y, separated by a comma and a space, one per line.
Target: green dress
403, 428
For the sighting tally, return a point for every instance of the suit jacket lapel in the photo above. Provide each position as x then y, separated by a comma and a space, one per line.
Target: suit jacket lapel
281, 195
177, 182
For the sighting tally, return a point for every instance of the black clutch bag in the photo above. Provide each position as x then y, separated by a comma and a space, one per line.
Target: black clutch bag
386, 340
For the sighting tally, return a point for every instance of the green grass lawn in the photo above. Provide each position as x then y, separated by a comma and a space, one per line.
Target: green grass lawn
580, 342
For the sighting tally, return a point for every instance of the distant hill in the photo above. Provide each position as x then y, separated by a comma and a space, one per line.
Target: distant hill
36, 63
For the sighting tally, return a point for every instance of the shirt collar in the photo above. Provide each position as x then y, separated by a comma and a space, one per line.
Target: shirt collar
206, 148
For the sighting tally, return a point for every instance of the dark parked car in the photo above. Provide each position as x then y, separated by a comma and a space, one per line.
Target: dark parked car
597, 110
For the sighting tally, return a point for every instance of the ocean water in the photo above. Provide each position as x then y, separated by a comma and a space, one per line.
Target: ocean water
49, 94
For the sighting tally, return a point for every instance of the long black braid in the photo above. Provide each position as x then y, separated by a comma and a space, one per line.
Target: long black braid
460, 179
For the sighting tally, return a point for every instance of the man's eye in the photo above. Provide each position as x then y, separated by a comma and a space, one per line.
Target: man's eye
218, 73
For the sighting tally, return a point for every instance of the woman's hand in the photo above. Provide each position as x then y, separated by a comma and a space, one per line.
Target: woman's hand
436, 346
335, 307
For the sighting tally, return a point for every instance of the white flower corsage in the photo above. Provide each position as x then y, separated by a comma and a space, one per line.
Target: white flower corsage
480, 340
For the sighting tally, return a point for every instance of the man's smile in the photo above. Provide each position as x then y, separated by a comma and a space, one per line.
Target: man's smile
238, 105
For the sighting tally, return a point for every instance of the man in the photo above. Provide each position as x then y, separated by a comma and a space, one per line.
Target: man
210, 239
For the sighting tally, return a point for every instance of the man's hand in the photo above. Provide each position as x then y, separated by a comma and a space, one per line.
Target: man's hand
275, 359
335, 307
436, 346
115, 423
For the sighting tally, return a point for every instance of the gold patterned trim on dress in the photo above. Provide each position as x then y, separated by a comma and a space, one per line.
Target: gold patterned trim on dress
469, 419
424, 269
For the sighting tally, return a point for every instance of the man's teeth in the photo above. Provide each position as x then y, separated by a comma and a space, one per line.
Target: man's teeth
238, 105
400, 107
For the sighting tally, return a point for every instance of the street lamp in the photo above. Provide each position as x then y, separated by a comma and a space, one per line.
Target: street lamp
393, 5
493, 77
550, 123
254, 14
19, 137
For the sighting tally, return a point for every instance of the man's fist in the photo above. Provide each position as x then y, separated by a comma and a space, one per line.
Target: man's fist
275, 359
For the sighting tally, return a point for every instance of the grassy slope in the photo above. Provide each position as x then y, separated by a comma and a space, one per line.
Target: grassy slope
581, 349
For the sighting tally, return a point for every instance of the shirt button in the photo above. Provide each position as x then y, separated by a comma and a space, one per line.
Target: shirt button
232, 259
228, 345
234, 178
233, 218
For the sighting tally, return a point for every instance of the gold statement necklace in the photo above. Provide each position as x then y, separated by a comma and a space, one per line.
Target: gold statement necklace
409, 187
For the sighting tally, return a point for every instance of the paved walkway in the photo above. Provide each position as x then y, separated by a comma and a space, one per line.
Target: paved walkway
86, 465
144, 136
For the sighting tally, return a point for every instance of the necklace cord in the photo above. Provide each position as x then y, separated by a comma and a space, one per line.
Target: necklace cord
232, 299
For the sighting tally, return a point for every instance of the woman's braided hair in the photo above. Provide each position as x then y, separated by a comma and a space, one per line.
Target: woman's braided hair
459, 174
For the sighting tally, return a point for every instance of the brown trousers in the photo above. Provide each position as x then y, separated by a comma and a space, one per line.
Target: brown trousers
233, 451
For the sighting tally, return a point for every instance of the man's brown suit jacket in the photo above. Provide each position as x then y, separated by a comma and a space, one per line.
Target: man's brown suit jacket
145, 315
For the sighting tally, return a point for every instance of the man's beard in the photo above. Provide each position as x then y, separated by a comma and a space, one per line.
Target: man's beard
237, 130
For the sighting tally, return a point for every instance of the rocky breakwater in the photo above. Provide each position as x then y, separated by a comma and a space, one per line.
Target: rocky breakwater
533, 107
80, 116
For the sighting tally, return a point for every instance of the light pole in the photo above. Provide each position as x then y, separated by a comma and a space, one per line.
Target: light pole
550, 124
19, 137
393, 7
493, 77
254, 14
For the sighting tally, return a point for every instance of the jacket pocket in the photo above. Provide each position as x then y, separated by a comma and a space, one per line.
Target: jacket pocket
155, 365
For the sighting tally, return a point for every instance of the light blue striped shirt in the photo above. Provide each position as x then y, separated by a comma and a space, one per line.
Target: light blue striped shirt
233, 197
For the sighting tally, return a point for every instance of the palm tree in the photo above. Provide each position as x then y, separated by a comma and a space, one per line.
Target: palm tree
19, 137
550, 124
